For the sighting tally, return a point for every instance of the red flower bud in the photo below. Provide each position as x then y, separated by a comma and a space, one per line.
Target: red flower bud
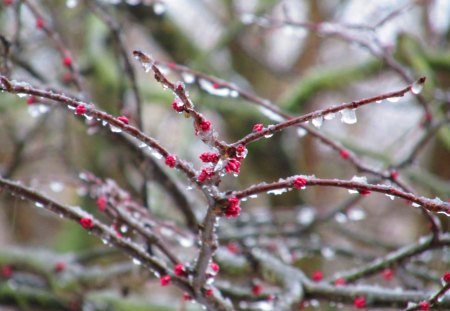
86, 222
359, 302
123, 119
67, 61
101, 203
300, 182
256, 290
171, 161
205, 125
388, 274
214, 267
60, 266
258, 127
180, 270
317, 276
424, 306
164, 280
80, 109
40, 23
344, 154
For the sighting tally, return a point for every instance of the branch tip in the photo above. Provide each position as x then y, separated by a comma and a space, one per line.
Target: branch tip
6, 84
142, 57
422, 80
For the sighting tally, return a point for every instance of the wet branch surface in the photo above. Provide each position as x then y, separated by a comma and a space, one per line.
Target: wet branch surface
221, 249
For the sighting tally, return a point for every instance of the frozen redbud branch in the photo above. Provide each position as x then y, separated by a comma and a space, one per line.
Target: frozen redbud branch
422, 142
320, 113
92, 225
373, 45
207, 249
292, 279
116, 31
129, 212
104, 232
179, 90
394, 258
113, 193
66, 57
267, 105
433, 205
150, 236
88, 109
433, 301
161, 176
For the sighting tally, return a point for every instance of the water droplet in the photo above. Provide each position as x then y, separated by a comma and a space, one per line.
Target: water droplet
301, 132
142, 145
22, 95
148, 66
71, 3
123, 228
340, 218
166, 232
136, 261
234, 93
56, 186
306, 215
37, 110
410, 304
314, 303
417, 87
317, 122
39, 205
253, 196
43, 108
156, 273
348, 116
214, 88
356, 214
393, 99
444, 213
188, 77
269, 134
159, 8
360, 179
248, 18
270, 114
390, 196
185, 241
157, 155
329, 116
415, 204
115, 129
328, 253
277, 191
379, 101
83, 176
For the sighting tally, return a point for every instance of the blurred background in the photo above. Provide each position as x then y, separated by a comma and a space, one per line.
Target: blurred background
299, 55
